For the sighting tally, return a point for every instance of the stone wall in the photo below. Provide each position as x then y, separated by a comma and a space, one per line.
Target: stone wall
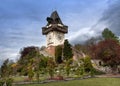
51, 50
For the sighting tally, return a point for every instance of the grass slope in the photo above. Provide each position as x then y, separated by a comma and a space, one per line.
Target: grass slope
84, 82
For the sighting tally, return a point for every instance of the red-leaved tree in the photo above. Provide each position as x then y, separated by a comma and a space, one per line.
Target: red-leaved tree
108, 51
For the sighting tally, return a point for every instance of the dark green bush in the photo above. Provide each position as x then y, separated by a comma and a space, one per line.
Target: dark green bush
2, 82
9, 82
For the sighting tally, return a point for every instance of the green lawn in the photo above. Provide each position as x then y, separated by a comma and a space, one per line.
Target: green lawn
18, 78
84, 82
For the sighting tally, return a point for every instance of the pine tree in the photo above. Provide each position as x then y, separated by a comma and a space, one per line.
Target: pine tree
5, 69
107, 34
67, 50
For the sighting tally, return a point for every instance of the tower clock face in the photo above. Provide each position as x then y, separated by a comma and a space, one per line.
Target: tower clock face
55, 38
49, 39
60, 37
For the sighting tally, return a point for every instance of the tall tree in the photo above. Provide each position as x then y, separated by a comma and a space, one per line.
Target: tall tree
108, 51
68, 66
58, 54
51, 67
67, 50
108, 34
28, 54
40, 66
5, 69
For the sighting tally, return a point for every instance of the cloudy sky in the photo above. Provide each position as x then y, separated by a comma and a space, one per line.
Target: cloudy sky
21, 21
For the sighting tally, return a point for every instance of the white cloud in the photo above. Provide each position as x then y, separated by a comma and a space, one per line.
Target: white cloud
82, 35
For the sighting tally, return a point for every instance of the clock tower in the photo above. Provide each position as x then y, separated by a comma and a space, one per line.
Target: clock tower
55, 30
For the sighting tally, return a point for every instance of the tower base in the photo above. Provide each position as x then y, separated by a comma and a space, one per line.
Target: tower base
51, 50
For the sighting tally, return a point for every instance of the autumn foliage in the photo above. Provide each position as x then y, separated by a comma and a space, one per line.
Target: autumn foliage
108, 51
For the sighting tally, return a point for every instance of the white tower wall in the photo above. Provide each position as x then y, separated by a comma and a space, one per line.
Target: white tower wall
55, 38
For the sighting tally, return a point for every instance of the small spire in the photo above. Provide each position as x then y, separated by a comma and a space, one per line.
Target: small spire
54, 18
54, 15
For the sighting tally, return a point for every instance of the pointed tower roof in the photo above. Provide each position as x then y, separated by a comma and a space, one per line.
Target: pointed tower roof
56, 17
54, 24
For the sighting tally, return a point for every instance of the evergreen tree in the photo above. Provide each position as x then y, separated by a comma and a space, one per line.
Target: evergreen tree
107, 34
58, 54
67, 50
4, 68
